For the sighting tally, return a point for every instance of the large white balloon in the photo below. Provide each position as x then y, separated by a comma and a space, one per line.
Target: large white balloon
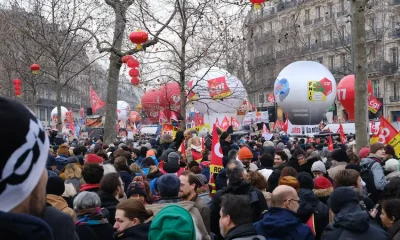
214, 90
123, 110
305, 90
54, 114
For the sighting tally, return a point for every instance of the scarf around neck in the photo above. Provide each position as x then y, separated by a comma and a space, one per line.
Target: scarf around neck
90, 216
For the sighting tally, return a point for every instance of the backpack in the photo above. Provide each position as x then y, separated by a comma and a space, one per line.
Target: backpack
367, 176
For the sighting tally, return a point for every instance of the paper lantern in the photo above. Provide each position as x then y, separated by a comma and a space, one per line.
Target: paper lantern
133, 63
139, 37
257, 3
134, 72
135, 81
35, 68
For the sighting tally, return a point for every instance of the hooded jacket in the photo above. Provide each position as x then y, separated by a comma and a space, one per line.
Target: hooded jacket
309, 205
221, 180
282, 224
225, 146
241, 187
243, 232
109, 202
353, 223
61, 224
61, 161
394, 231
138, 232
201, 232
59, 203
23, 227
377, 171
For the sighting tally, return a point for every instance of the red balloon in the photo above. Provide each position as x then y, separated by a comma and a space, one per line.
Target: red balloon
134, 72
134, 117
171, 96
345, 94
151, 103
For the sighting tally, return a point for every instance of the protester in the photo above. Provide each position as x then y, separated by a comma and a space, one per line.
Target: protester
165, 142
136, 190
225, 141
280, 221
280, 159
188, 192
111, 189
323, 188
172, 165
90, 224
390, 217
79, 152
340, 160
136, 170
55, 188
62, 156
290, 181
173, 222
130, 220
319, 169
203, 189
392, 169
121, 165
390, 153
245, 156
236, 218
350, 222
73, 174
194, 150
22, 204
237, 186
257, 180
92, 174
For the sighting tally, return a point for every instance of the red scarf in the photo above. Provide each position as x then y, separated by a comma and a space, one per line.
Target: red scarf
89, 186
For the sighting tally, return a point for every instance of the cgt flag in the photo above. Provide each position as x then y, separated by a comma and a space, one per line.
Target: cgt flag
385, 133
95, 100
216, 154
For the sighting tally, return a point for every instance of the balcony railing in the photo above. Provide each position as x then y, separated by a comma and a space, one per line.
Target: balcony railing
394, 98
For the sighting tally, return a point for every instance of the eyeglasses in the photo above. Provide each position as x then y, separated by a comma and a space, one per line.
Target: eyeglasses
298, 201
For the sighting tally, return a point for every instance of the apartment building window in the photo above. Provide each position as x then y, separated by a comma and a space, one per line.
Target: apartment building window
341, 5
317, 37
308, 40
375, 88
270, 26
343, 62
342, 31
393, 22
308, 15
330, 35
42, 114
372, 23
261, 99
318, 11
395, 90
330, 9
373, 52
283, 22
331, 62
394, 52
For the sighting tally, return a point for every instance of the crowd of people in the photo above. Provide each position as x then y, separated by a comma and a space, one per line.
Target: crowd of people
283, 188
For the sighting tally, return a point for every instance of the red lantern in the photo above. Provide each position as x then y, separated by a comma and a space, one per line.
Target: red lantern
126, 58
135, 81
257, 3
133, 63
17, 87
139, 37
35, 68
345, 94
134, 72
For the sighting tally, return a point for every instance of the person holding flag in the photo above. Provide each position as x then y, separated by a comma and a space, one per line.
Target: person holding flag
225, 141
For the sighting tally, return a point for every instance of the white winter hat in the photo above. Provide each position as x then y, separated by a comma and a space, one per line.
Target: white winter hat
392, 165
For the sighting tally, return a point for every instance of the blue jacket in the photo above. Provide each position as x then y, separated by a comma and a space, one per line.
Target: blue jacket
377, 171
126, 178
61, 161
23, 227
353, 223
282, 224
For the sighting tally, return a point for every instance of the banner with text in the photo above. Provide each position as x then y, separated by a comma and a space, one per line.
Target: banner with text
252, 118
303, 129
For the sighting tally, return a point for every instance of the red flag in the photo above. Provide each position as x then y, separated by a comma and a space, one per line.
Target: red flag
235, 123
265, 133
286, 125
216, 154
95, 100
271, 98
343, 138
373, 127
225, 124
173, 116
328, 130
182, 149
386, 132
202, 142
217, 123
330, 143
71, 125
161, 117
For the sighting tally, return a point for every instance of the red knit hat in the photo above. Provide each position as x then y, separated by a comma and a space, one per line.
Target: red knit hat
245, 153
364, 152
322, 183
93, 158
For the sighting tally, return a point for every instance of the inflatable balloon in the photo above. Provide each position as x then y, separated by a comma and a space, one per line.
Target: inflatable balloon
151, 103
54, 114
123, 109
134, 117
171, 99
216, 90
345, 94
305, 90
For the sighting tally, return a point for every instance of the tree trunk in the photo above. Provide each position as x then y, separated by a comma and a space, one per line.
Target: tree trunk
361, 82
183, 103
59, 102
113, 74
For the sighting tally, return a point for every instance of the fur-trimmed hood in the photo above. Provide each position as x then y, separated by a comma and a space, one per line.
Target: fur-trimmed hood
323, 192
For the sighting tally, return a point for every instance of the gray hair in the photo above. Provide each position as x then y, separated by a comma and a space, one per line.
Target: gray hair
234, 170
85, 200
108, 168
232, 154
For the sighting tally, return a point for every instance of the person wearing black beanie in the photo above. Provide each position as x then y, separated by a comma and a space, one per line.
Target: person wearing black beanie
310, 205
339, 162
225, 141
55, 188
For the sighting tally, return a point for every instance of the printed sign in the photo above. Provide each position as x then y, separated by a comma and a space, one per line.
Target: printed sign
373, 104
318, 90
304, 130
218, 88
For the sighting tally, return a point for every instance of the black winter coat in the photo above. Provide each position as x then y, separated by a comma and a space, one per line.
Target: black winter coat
95, 232
310, 204
241, 187
221, 180
226, 147
109, 202
353, 223
138, 232
126, 179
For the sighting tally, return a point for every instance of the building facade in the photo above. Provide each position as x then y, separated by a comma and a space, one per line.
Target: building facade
321, 30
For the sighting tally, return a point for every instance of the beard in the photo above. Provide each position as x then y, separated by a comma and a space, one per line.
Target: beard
184, 196
37, 203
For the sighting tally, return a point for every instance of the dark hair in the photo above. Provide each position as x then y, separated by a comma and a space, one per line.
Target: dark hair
298, 152
256, 179
134, 208
79, 150
392, 208
110, 183
143, 151
392, 189
346, 178
92, 173
234, 171
192, 179
267, 160
282, 154
237, 207
288, 171
102, 154
136, 151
